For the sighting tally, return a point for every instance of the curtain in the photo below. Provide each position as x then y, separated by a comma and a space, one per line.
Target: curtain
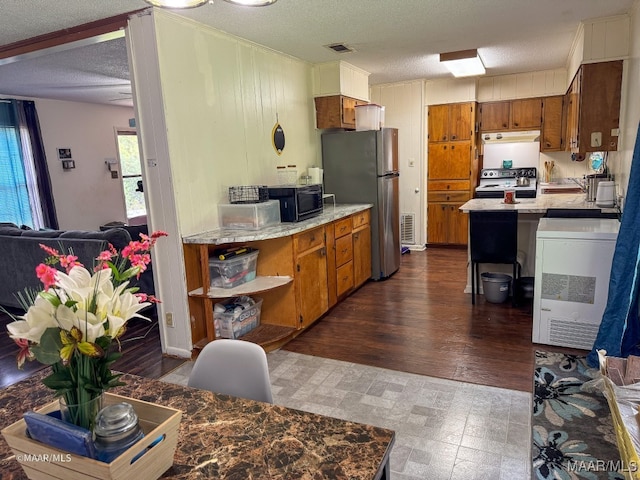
26, 196
619, 332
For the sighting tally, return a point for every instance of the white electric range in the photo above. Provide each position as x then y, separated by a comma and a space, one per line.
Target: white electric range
494, 181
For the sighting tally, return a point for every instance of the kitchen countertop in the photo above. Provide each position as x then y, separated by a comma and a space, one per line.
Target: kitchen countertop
540, 204
220, 236
228, 437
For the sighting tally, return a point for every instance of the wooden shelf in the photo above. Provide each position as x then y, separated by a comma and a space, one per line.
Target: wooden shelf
269, 337
260, 284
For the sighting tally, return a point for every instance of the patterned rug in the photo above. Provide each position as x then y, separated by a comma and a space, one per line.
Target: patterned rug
573, 436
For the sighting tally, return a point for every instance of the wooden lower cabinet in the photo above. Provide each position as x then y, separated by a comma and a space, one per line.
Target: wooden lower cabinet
311, 276
310, 271
446, 224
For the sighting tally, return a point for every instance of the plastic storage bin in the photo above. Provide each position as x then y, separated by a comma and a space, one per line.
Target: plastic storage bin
233, 271
237, 316
249, 216
496, 286
368, 117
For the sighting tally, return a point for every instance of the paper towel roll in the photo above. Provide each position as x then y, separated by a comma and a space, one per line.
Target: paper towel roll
315, 175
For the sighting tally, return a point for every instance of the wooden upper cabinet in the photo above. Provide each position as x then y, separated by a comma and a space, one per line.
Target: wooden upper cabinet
526, 113
451, 122
336, 111
449, 161
495, 116
552, 126
593, 113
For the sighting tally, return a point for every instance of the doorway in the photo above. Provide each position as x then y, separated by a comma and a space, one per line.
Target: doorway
131, 172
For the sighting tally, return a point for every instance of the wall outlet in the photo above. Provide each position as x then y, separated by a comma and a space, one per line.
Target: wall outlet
169, 319
596, 139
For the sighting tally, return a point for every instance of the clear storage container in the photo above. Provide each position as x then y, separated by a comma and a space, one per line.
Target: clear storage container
368, 117
233, 271
249, 216
237, 316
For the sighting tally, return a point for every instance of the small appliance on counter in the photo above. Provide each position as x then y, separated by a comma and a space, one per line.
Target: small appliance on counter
606, 194
297, 202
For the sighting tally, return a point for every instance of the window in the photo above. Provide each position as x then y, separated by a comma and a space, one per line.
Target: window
131, 173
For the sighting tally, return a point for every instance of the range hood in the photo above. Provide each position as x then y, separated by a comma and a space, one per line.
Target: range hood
511, 137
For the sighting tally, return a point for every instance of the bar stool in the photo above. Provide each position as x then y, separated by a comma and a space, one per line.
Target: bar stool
493, 238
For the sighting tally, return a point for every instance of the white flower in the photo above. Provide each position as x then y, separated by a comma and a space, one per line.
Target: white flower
39, 317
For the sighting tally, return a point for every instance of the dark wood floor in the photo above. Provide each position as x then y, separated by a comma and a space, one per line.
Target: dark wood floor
142, 353
421, 321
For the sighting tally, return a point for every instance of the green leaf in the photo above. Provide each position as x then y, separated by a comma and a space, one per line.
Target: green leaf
58, 381
130, 272
52, 298
48, 350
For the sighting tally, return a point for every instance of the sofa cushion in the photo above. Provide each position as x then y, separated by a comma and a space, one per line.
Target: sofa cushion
117, 237
42, 233
6, 229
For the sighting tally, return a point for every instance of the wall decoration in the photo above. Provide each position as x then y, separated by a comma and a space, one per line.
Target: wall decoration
277, 137
64, 154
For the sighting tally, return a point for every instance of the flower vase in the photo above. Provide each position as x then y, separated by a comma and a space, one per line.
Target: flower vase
82, 414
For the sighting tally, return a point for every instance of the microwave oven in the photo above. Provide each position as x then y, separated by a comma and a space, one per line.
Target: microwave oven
297, 202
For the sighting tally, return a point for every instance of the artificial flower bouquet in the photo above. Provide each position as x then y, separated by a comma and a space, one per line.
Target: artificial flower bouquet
74, 321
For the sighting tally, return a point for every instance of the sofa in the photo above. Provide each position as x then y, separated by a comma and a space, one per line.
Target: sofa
20, 253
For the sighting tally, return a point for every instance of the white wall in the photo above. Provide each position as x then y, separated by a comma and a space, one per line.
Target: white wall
403, 110
208, 130
85, 197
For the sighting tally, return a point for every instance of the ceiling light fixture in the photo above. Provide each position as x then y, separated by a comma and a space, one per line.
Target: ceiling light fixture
252, 3
465, 63
177, 3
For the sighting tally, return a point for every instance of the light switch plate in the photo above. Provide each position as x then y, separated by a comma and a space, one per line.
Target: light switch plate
596, 139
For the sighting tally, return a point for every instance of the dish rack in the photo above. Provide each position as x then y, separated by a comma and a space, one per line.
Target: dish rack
248, 194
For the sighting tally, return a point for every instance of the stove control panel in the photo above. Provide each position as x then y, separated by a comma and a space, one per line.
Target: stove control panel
506, 173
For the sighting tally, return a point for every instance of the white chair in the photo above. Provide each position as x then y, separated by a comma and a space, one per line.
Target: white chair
233, 367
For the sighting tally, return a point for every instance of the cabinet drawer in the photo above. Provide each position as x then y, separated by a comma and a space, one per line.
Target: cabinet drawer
343, 227
454, 196
448, 185
344, 250
312, 238
360, 219
345, 278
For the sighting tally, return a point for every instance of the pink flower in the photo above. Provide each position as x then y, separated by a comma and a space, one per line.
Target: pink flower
47, 275
51, 251
24, 353
69, 261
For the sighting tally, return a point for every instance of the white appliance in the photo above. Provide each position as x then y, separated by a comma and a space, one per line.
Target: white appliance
573, 264
494, 181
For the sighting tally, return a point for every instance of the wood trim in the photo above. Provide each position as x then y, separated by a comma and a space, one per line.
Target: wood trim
67, 35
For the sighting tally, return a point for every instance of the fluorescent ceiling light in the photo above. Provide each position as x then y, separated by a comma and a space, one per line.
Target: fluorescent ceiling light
252, 3
464, 63
177, 3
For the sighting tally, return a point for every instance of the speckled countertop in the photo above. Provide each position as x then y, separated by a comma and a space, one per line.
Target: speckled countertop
540, 204
221, 236
229, 438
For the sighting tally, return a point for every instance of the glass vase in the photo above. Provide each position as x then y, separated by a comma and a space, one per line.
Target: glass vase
82, 414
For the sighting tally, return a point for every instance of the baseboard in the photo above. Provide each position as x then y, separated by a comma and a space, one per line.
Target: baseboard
416, 248
178, 352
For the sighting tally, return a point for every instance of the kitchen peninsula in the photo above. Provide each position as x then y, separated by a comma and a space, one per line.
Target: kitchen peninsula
303, 269
530, 210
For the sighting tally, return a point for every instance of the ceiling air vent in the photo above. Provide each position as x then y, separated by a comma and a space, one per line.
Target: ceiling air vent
340, 48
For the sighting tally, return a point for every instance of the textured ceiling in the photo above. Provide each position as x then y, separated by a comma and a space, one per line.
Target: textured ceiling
394, 40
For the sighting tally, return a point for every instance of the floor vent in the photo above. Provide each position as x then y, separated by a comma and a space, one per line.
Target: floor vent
407, 229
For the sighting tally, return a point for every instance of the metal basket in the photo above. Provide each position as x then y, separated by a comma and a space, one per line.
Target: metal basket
248, 194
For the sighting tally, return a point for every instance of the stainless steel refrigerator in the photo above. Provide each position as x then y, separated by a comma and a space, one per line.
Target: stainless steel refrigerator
362, 167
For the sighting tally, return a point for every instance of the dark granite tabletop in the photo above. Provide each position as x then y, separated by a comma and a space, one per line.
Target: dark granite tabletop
224, 437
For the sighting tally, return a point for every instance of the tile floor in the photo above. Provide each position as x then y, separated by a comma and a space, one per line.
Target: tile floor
444, 429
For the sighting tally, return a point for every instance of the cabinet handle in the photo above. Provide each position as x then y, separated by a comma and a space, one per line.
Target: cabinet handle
448, 187
453, 147
447, 197
444, 137
356, 235
453, 137
313, 238
504, 125
323, 252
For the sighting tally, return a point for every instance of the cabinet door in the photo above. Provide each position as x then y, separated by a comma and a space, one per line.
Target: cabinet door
552, 124
458, 225
438, 123
437, 222
495, 116
312, 291
526, 113
460, 125
361, 255
345, 278
449, 161
344, 249
573, 112
348, 112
